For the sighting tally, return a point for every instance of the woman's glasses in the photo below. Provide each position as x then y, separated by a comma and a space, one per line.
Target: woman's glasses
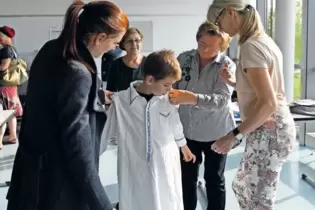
131, 41
217, 20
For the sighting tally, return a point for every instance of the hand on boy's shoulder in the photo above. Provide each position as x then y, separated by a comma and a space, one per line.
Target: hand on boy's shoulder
182, 97
171, 104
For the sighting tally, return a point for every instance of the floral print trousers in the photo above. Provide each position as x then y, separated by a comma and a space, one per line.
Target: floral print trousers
267, 148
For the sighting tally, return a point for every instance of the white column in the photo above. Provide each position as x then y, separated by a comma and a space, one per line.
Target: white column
262, 8
285, 38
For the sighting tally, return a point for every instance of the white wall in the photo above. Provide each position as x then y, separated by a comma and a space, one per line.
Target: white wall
175, 22
58, 7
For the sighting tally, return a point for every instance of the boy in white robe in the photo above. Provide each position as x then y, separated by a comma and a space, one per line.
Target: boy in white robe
149, 134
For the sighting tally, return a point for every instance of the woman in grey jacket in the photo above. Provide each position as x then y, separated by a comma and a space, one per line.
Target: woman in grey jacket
56, 165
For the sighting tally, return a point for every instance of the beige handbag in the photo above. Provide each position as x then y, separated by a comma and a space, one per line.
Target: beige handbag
16, 74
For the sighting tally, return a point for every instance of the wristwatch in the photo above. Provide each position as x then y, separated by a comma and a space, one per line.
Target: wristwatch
238, 136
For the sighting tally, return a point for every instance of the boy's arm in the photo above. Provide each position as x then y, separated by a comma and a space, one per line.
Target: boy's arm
110, 130
180, 139
178, 130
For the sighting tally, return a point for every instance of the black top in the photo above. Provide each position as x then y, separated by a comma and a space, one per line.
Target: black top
107, 59
148, 97
120, 75
57, 161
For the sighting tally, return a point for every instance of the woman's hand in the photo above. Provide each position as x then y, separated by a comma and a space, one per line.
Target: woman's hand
108, 96
182, 97
227, 76
224, 144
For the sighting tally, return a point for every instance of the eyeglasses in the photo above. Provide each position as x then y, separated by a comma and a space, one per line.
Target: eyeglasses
137, 41
217, 20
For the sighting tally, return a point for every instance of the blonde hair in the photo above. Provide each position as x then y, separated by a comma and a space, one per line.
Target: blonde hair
213, 30
252, 25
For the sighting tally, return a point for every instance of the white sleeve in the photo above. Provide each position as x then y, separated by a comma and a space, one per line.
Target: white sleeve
178, 130
110, 131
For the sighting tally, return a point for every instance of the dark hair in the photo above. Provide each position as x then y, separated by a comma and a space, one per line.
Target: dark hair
162, 64
130, 31
96, 17
213, 30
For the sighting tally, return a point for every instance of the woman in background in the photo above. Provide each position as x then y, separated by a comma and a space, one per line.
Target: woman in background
8, 94
57, 161
265, 114
126, 69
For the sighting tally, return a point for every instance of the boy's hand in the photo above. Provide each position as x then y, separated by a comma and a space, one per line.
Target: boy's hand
188, 155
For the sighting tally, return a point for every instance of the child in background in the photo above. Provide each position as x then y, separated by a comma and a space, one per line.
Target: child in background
149, 132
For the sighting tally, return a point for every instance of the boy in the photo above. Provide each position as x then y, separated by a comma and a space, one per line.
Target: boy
149, 132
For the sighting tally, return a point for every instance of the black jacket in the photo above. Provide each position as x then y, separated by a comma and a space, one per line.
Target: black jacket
120, 75
56, 165
107, 59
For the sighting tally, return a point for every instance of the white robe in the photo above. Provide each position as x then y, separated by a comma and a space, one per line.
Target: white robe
149, 135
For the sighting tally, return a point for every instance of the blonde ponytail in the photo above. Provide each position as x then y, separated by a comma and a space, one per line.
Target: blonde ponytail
252, 24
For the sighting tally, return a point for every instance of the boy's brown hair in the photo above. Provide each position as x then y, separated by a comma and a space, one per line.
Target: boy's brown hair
162, 64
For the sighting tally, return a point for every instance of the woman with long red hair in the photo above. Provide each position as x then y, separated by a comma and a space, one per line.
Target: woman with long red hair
56, 165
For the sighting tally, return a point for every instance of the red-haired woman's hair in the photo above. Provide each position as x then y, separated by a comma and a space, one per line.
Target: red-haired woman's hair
96, 17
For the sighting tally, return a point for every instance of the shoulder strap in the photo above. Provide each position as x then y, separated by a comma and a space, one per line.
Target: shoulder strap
14, 52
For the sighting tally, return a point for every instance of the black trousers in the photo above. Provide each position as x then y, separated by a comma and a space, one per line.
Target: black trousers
214, 164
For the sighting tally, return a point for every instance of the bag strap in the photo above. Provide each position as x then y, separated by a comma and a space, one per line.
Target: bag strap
15, 53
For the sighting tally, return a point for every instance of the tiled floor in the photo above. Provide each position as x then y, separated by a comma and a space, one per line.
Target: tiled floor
293, 193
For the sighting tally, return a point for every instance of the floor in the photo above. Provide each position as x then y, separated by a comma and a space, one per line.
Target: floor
292, 193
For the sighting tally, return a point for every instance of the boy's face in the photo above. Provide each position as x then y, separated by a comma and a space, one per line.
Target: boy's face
160, 87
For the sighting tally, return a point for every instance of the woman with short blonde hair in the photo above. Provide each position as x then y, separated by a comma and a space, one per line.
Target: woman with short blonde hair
211, 29
204, 100
266, 118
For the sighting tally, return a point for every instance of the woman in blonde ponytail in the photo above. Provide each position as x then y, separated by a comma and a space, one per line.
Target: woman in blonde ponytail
266, 119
